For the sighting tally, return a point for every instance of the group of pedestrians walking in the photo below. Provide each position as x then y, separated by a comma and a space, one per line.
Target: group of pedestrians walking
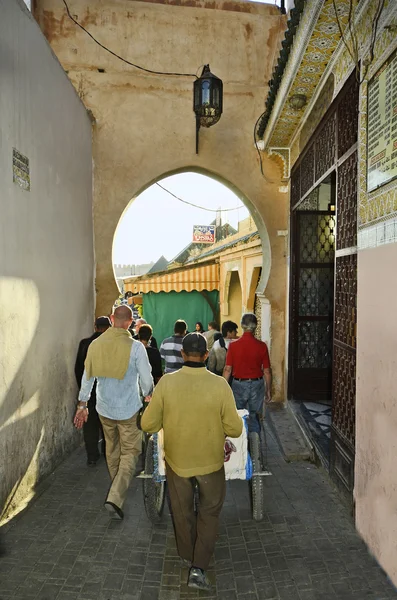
194, 406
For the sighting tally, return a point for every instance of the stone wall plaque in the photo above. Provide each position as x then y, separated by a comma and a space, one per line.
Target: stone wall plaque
382, 125
20, 170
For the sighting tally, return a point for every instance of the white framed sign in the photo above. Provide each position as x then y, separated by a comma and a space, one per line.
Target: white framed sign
382, 125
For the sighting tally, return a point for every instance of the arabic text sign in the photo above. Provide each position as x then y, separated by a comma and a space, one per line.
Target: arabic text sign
382, 125
204, 234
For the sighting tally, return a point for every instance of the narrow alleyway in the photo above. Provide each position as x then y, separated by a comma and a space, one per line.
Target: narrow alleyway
65, 547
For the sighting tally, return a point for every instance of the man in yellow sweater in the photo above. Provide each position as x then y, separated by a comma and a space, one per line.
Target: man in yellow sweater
197, 410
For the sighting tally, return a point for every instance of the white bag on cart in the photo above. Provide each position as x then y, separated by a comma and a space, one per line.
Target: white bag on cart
238, 464
160, 463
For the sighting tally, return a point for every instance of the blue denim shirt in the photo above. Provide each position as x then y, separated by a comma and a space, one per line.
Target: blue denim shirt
120, 399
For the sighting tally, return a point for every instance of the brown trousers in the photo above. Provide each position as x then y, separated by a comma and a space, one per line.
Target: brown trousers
123, 446
196, 534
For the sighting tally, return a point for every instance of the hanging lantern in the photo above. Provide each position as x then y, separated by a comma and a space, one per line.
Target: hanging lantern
207, 100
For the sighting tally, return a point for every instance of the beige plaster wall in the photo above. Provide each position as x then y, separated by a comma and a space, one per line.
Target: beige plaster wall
244, 259
376, 421
46, 256
235, 299
145, 125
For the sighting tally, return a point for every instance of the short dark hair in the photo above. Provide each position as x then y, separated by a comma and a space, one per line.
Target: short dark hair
213, 324
145, 333
180, 327
228, 327
194, 344
102, 323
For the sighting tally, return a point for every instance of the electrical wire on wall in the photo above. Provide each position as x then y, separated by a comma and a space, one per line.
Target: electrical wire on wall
215, 210
168, 73
258, 151
120, 57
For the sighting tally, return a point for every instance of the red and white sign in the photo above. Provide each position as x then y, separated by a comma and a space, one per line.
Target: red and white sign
204, 234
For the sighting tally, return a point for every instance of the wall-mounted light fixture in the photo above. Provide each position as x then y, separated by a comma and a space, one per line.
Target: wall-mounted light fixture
297, 101
207, 100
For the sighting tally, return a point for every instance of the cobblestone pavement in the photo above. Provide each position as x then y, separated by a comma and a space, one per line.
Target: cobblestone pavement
65, 547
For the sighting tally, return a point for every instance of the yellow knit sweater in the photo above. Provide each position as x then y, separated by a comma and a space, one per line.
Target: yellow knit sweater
196, 409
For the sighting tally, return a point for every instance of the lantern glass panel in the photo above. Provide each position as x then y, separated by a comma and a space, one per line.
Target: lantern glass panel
196, 97
205, 92
216, 96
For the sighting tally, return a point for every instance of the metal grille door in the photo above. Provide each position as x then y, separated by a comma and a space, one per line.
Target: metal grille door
313, 304
323, 299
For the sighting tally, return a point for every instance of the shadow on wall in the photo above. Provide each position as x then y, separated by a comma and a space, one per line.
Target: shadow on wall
36, 388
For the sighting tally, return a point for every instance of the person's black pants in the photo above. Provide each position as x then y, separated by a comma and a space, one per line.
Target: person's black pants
92, 431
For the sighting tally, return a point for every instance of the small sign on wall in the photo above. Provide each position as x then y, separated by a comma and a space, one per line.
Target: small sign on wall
204, 234
20, 170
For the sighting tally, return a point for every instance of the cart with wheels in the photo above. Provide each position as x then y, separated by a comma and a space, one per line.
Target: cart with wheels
254, 446
154, 484
249, 463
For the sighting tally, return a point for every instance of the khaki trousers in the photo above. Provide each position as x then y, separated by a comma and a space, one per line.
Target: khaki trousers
196, 534
123, 446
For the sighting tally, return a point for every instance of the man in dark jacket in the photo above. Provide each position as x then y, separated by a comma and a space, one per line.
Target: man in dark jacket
144, 336
92, 427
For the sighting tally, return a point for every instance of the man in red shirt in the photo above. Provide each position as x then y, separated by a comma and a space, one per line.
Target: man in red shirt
248, 361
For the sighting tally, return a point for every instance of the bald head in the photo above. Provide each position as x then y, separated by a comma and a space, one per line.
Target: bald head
122, 317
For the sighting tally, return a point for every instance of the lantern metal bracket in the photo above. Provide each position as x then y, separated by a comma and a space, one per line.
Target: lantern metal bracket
197, 133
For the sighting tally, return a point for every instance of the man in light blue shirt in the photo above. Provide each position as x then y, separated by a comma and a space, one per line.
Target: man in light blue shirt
120, 366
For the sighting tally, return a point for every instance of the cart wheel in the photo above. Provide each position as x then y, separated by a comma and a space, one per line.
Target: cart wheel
153, 491
257, 490
263, 447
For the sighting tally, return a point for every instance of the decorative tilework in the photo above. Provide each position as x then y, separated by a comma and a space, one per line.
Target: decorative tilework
321, 46
317, 112
364, 26
382, 203
321, 415
323, 43
284, 154
378, 234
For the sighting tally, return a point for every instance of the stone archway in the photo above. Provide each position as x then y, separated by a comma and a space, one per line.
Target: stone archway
144, 126
267, 206
271, 274
257, 217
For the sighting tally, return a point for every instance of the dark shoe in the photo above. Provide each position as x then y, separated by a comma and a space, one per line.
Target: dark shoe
91, 463
198, 579
114, 510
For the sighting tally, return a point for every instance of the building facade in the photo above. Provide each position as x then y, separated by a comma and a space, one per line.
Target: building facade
332, 119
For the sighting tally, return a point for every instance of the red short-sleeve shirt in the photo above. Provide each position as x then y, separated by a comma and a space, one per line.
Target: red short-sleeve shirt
248, 357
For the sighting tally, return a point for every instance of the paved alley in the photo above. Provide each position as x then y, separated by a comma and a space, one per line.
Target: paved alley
65, 547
